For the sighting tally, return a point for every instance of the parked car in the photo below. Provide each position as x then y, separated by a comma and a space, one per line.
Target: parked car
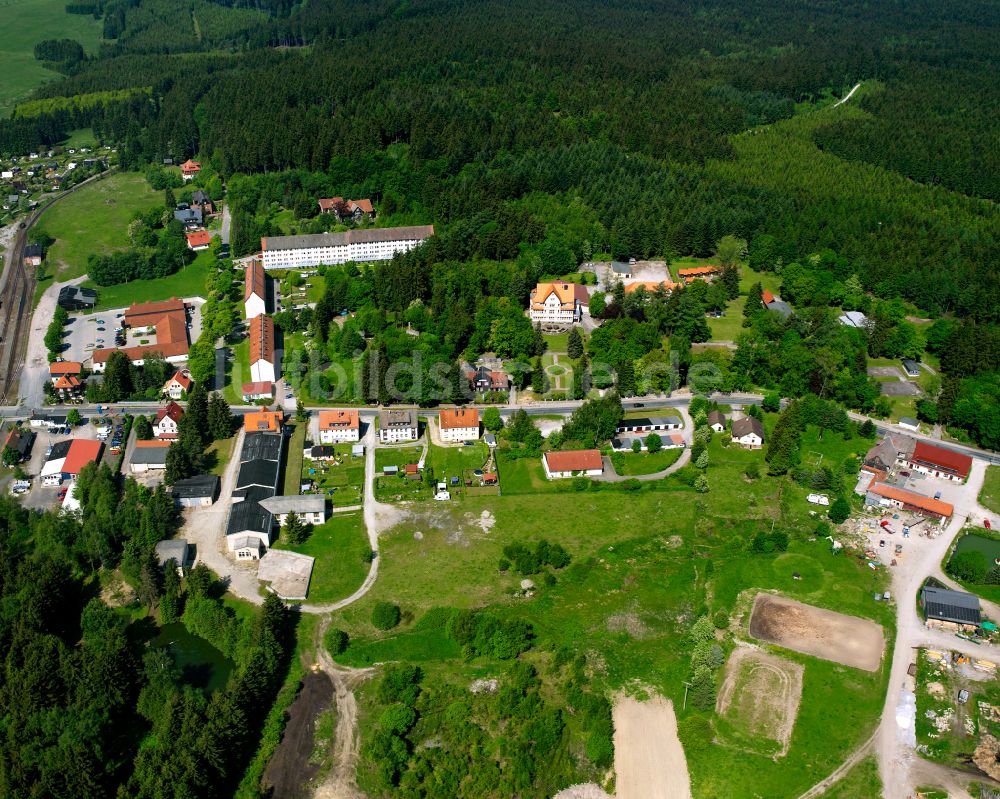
937, 495
987, 525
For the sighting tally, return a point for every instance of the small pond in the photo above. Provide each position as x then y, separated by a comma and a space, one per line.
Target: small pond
978, 543
200, 663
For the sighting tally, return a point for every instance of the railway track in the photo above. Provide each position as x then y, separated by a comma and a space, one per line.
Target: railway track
17, 301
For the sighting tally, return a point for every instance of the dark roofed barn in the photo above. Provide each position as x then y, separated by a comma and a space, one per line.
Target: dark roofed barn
952, 607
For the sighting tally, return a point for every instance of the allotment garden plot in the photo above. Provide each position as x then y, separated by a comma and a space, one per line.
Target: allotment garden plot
817, 632
759, 701
340, 479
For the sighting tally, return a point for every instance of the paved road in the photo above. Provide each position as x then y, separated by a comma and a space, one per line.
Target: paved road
227, 222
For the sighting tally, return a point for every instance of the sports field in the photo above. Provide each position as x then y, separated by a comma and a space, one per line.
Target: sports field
24, 24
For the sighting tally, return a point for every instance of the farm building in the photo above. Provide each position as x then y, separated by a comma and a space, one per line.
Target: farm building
950, 610
583, 462
199, 491
940, 462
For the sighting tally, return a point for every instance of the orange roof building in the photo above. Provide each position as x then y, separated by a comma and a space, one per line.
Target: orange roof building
168, 319
940, 462
199, 240
262, 365
67, 384
255, 290
177, 385
581, 462
62, 368
893, 496
459, 424
263, 421
706, 273
81, 452
256, 391
189, 169
340, 426
558, 303
650, 286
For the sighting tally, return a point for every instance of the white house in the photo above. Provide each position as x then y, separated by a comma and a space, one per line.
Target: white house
748, 432
397, 425
583, 462
339, 427
651, 424
369, 244
262, 363
255, 290
310, 508
717, 421
258, 391
167, 419
177, 384
558, 303
459, 424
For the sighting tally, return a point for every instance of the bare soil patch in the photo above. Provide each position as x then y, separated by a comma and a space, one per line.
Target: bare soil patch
760, 697
289, 772
825, 634
885, 371
649, 758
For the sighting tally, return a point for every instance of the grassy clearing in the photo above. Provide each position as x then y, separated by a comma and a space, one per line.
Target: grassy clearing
629, 463
95, 220
460, 462
25, 23
344, 479
341, 549
219, 453
81, 137
989, 497
558, 342
861, 782
293, 462
729, 326
237, 373
188, 282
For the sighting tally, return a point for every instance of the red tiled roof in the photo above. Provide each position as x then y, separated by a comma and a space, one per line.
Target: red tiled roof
935, 506
696, 271
329, 203
144, 314
181, 379
190, 166
258, 388
81, 452
254, 281
338, 420
152, 444
261, 339
943, 460
65, 368
568, 294
457, 418
200, 238
67, 382
574, 461
650, 286
172, 409
364, 205
767, 297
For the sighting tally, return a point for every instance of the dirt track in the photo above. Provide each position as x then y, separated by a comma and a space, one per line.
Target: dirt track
763, 692
289, 771
649, 759
818, 632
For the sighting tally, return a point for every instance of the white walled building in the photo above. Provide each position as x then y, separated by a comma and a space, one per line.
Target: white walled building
255, 291
370, 244
558, 303
262, 357
339, 427
396, 426
459, 424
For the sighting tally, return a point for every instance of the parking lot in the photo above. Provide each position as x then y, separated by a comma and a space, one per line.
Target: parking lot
85, 333
40, 496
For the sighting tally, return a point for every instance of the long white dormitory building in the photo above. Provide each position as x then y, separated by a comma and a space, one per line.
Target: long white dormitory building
369, 244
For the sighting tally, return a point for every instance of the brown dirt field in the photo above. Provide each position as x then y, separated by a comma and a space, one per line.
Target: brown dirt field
825, 634
649, 758
761, 695
289, 772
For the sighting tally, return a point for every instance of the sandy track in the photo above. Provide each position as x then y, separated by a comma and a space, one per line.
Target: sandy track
764, 692
649, 759
818, 632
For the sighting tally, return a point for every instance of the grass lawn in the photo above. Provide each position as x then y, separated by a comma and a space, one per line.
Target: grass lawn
188, 282
989, 497
81, 137
655, 559
95, 220
627, 463
25, 23
341, 550
293, 462
343, 482
397, 488
237, 373
524, 476
558, 342
768, 280
728, 327
861, 782
219, 453
460, 462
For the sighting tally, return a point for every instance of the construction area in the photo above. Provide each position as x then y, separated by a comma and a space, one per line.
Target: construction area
759, 701
288, 573
958, 710
822, 633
